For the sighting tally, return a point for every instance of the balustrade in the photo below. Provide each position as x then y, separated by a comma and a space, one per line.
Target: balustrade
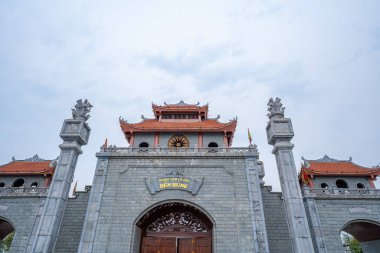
341, 191
176, 150
9, 191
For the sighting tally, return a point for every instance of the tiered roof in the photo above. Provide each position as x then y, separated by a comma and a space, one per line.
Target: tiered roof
179, 107
199, 123
31, 166
149, 125
327, 166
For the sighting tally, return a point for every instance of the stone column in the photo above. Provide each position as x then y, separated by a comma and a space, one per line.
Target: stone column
279, 133
75, 133
92, 213
316, 226
254, 170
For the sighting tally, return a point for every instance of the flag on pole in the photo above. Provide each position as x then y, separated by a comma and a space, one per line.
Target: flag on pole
305, 177
249, 137
105, 145
75, 188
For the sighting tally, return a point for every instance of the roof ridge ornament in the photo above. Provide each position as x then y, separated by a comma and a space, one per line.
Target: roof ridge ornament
275, 108
82, 110
326, 158
35, 158
180, 103
305, 162
121, 119
54, 162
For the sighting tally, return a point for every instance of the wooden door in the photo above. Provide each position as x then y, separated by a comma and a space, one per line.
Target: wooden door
185, 245
158, 245
203, 245
149, 245
167, 245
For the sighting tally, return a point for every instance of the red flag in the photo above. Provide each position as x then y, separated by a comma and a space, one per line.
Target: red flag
249, 137
305, 178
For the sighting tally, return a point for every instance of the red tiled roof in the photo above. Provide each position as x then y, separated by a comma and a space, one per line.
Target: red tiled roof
339, 168
149, 125
26, 167
180, 107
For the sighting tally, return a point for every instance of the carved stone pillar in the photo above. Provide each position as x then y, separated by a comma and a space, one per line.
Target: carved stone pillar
279, 133
75, 133
254, 170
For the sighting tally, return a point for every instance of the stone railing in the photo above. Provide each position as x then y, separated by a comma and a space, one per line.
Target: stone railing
340, 192
23, 191
177, 150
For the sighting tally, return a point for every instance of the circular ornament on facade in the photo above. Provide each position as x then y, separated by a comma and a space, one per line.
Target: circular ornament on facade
178, 141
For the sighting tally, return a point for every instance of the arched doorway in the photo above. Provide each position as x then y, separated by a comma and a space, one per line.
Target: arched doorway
175, 228
6, 235
362, 236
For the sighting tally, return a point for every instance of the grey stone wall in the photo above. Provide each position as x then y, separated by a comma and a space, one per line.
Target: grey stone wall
331, 181
9, 180
72, 224
335, 212
371, 246
144, 137
275, 220
213, 137
223, 197
21, 212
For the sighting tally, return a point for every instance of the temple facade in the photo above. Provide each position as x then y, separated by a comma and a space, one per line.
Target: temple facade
180, 186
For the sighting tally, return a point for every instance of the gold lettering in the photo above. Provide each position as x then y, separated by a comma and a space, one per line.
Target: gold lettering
174, 182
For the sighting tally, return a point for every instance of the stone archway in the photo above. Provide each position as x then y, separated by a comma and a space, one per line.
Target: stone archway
175, 228
366, 232
6, 235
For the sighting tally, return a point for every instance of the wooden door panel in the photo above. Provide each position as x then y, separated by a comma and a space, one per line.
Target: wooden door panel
149, 245
203, 245
185, 245
167, 245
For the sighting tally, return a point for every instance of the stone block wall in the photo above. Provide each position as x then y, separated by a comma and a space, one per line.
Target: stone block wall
22, 213
144, 137
213, 137
335, 212
276, 222
223, 197
72, 223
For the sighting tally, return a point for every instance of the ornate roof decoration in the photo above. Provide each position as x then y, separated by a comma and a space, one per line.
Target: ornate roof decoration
326, 159
35, 158
327, 166
29, 166
181, 103
149, 125
82, 110
275, 108
181, 106
180, 117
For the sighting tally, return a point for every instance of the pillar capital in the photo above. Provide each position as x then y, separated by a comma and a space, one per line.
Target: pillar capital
282, 145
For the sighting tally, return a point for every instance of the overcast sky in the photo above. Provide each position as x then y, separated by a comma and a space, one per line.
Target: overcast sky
321, 57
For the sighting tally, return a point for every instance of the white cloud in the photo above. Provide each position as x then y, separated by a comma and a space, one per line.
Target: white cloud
321, 57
